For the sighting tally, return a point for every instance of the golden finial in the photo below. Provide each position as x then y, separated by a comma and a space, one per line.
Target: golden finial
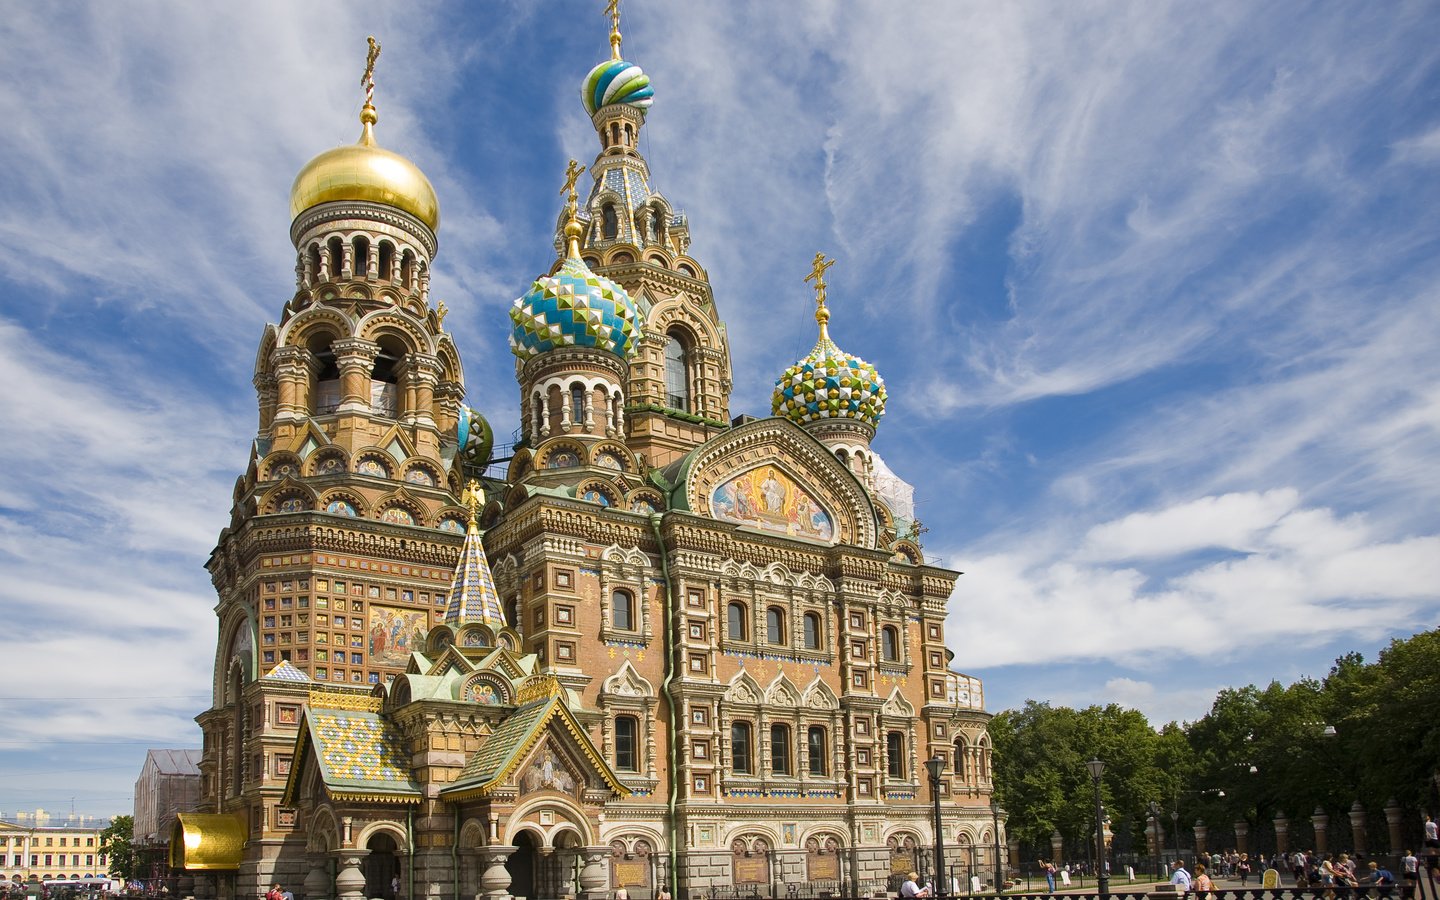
817, 275
572, 208
612, 9
474, 497
367, 81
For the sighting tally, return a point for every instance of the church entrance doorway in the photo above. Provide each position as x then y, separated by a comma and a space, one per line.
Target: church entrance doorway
381, 867
522, 863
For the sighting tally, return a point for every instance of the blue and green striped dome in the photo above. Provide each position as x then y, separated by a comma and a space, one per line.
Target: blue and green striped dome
616, 81
574, 308
830, 384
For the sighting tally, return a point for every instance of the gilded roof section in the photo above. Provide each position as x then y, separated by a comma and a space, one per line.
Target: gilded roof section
207, 842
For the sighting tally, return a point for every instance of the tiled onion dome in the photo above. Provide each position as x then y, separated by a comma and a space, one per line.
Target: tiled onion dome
616, 81
574, 308
830, 384
473, 437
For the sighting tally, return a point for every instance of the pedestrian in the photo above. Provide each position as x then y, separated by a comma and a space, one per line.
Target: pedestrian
912, 888
664, 892
1049, 869
274, 892
1432, 832
1180, 877
395, 886
621, 893
1242, 868
1203, 884
1410, 868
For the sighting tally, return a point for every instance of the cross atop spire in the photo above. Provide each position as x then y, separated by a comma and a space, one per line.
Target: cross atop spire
817, 275
572, 207
612, 9
367, 81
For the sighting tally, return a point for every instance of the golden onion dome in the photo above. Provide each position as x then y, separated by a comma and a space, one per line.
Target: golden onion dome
366, 171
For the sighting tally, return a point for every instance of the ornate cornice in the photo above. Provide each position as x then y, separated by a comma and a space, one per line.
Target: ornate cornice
341, 210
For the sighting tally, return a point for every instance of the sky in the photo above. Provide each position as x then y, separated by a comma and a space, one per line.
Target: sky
1154, 286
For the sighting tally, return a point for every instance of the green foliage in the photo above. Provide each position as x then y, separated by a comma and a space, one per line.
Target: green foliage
1256, 753
116, 843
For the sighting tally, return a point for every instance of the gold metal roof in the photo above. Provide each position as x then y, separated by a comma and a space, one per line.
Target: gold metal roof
205, 841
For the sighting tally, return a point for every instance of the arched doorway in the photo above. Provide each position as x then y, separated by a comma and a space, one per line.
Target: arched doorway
381, 867
521, 865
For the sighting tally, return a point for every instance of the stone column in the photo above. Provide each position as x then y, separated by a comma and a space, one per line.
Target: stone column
292, 367
355, 359
1394, 816
422, 375
1057, 846
494, 877
1282, 832
317, 880
1202, 831
594, 884
1357, 828
350, 882
1321, 822
1152, 835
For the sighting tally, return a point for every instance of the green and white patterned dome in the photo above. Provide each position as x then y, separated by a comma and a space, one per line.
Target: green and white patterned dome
830, 384
574, 308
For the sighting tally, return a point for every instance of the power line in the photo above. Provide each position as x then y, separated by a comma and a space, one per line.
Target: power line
142, 697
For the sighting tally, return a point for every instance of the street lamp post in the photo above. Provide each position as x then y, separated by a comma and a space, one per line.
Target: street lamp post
995, 813
934, 766
1159, 852
1175, 830
1097, 768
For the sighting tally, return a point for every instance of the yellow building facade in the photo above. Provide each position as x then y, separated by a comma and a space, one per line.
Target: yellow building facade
44, 853
649, 645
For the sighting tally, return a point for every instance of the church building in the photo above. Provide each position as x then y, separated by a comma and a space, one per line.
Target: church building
655, 643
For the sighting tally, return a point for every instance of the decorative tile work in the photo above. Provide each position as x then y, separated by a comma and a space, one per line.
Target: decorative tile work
830, 383
356, 749
574, 308
287, 672
472, 588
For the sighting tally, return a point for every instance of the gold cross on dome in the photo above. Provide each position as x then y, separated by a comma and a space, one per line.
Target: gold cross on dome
572, 174
817, 275
474, 497
612, 9
367, 81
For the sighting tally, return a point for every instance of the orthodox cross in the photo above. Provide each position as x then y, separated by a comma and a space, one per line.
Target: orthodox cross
817, 275
367, 81
612, 9
572, 175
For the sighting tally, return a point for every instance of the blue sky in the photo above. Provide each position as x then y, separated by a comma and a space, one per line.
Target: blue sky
1155, 288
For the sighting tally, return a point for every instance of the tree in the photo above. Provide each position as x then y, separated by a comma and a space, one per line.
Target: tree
116, 842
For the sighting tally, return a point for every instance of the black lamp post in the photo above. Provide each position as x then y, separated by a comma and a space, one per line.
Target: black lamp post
1097, 768
1154, 810
995, 813
1175, 830
934, 766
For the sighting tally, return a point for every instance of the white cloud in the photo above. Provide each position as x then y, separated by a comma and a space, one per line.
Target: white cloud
1231, 521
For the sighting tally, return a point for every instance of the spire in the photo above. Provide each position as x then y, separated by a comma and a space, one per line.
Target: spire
817, 275
368, 118
473, 597
612, 9
573, 230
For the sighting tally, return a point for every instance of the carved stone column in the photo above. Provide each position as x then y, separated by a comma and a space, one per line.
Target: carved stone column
421, 375
317, 880
1282, 832
1202, 831
494, 877
593, 881
267, 389
355, 359
1394, 816
1242, 836
292, 367
1321, 823
1057, 845
1357, 828
350, 882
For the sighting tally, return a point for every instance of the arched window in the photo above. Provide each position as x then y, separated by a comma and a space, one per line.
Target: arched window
627, 754
735, 621
577, 404
895, 755
337, 256
774, 626
889, 643
407, 269
313, 257
362, 256
812, 631
961, 751
609, 222
741, 759
387, 261
815, 741
677, 374
780, 749
622, 610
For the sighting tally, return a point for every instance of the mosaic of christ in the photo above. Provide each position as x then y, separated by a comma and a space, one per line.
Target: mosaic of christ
767, 498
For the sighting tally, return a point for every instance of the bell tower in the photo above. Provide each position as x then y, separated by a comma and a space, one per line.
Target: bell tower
679, 379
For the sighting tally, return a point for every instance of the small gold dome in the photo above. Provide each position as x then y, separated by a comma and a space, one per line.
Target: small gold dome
365, 171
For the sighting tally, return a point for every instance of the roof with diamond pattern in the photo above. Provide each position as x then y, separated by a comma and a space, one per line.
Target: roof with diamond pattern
830, 384
286, 672
472, 588
359, 754
574, 308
